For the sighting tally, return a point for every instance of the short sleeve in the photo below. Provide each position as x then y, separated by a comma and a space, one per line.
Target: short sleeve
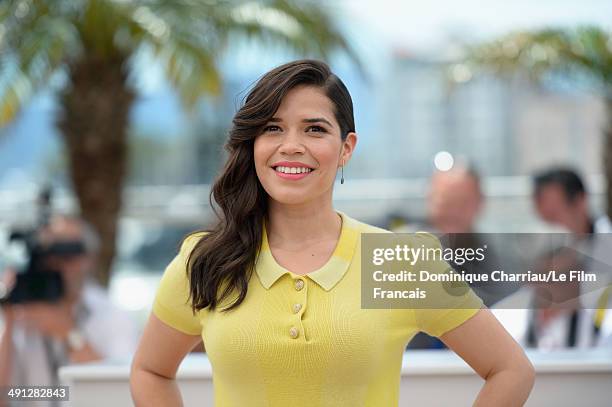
171, 304
455, 302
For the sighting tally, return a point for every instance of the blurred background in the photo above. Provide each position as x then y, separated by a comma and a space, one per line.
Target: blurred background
122, 108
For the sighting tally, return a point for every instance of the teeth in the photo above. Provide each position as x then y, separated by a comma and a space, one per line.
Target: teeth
293, 170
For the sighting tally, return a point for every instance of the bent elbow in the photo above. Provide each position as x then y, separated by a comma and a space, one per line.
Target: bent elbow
137, 375
133, 381
529, 374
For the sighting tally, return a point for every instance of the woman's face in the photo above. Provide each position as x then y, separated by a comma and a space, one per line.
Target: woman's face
299, 151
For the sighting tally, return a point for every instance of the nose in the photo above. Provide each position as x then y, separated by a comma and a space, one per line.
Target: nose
291, 143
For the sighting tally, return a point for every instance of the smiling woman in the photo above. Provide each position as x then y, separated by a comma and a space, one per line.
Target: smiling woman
274, 288
303, 128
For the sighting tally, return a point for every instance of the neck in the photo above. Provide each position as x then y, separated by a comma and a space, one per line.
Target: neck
291, 226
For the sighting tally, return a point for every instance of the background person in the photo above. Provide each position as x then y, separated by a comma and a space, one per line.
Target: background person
455, 200
39, 337
454, 203
561, 199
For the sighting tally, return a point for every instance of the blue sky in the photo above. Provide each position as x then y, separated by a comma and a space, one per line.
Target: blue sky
424, 26
424, 22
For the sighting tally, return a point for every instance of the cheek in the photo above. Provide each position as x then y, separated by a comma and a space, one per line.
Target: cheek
258, 149
261, 154
263, 151
326, 153
541, 210
548, 211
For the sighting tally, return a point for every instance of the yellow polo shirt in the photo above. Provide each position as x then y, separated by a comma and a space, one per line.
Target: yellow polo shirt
305, 340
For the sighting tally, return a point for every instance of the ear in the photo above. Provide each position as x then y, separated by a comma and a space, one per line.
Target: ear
348, 146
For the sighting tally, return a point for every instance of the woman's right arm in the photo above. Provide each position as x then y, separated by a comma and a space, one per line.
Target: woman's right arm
159, 354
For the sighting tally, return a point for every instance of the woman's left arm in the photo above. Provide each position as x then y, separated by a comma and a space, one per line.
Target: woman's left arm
488, 348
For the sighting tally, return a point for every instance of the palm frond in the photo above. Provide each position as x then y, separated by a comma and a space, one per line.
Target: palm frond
585, 50
190, 38
187, 35
33, 47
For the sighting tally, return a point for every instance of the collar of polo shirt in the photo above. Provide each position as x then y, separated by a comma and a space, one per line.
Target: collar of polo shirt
269, 271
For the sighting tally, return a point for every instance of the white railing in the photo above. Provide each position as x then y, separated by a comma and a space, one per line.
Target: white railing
366, 198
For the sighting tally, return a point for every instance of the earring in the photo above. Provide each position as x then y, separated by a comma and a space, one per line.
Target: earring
342, 173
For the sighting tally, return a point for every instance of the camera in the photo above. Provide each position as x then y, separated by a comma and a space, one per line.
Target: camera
37, 281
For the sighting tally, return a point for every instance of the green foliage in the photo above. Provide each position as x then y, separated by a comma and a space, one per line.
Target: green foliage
581, 51
38, 37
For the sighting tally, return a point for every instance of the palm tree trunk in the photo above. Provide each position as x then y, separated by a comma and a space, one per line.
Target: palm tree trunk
94, 126
608, 156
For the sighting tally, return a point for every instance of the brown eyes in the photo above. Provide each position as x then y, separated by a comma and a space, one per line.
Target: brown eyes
317, 129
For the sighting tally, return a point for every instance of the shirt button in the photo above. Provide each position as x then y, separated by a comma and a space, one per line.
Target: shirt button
299, 284
297, 308
293, 332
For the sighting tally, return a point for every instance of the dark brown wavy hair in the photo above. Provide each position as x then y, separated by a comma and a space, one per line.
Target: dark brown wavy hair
223, 260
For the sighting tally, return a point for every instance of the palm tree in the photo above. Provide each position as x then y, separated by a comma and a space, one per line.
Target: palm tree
94, 41
583, 54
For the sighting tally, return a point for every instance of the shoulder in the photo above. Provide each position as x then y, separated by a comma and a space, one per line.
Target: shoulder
418, 237
190, 241
427, 239
362, 227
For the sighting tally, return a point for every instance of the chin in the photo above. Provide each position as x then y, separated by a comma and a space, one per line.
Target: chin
289, 199
291, 196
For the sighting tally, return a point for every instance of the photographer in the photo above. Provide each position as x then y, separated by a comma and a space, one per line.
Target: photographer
39, 336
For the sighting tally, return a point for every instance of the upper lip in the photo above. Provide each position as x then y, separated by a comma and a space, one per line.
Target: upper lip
291, 164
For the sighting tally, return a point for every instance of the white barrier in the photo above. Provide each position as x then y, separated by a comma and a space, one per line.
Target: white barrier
429, 378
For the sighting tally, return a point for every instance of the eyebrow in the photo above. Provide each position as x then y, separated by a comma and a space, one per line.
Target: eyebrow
313, 120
